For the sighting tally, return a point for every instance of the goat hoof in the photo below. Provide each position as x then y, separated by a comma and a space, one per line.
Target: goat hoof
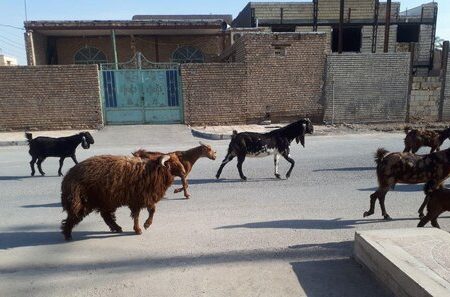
243, 178
366, 214
60, 174
278, 176
288, 176
217, 176
32, 173
387, 217
147, 225
138, 231
117, 230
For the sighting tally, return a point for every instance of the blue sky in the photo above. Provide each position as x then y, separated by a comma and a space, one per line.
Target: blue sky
12, 13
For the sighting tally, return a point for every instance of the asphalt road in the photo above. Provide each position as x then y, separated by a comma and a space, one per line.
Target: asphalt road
263, 237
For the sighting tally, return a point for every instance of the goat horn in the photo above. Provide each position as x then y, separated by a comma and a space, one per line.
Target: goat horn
164, 159
201, 143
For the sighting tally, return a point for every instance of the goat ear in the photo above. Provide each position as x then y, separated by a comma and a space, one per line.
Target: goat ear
164, 159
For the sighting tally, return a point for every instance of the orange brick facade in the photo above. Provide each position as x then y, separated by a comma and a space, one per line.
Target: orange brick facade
263, 80
49, 97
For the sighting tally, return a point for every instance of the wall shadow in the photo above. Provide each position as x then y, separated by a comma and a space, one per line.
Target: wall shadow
298, 253
337, 277
313, 224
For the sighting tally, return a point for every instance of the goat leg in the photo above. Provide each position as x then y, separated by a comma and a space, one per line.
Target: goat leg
425, 202
33, 160
151, 212
135, 216
373, 199
74, 158
185, 186
290, 160
226, 160
276, 159
39, 162
383, 208
110, 220
61, 162
239, 166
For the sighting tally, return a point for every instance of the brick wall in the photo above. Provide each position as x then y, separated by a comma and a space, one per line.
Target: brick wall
424, 100
287, 86
446, 107
49, 97
214, 93
367, 87
366, 44
210, 45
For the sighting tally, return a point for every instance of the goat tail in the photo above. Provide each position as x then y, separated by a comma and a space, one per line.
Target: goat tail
72, 201
407, 129
380, 154
28, 136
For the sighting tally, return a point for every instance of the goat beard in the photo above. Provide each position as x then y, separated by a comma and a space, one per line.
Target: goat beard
301, 139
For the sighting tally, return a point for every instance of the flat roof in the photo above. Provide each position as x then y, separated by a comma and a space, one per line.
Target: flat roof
104, 27
225, 17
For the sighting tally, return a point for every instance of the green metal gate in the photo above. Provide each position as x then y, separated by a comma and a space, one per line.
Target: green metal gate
141, 92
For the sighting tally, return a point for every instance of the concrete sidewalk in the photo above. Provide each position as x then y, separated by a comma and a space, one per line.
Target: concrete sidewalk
411, 262
18, 138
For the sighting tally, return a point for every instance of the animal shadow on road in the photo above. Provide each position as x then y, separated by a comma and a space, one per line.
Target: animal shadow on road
346, 169
202, 181
337, 223
9, 240
18, 177
42, 205
398, 188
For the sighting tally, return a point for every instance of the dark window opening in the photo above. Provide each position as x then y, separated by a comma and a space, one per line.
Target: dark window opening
351, 39
283, 28
408, 33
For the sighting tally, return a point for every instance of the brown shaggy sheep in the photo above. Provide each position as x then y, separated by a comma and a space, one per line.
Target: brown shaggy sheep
415, 139
105, 183
187, 158
408, 168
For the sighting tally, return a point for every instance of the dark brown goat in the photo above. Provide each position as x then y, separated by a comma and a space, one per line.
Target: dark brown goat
415, 139
438, 202
105, 183
187, 158
408, 168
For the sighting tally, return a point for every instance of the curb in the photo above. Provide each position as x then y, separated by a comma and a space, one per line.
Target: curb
208, 135
13, 143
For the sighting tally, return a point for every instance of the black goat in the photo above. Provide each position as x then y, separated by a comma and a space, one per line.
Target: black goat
276, 142
62, 147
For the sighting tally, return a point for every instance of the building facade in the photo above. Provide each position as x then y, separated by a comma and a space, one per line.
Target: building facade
7, 61
181, 39
368, 26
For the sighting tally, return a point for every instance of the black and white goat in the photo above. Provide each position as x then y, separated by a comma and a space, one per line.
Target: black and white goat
276, 142
62, 147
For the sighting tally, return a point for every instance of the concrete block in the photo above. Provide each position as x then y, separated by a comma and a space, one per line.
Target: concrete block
410, 262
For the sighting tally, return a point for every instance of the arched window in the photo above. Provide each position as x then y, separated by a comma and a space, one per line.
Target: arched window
188, 54
89, 55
